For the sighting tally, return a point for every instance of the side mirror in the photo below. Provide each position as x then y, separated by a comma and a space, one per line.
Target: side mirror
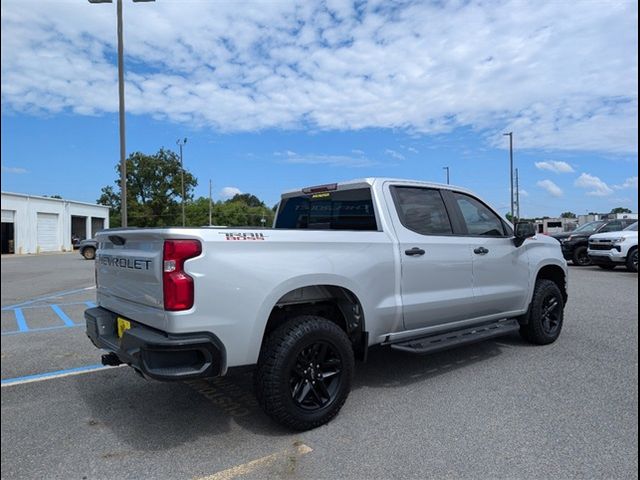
524, 230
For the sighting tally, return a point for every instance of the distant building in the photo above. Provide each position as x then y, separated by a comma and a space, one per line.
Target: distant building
549, 226
33, 224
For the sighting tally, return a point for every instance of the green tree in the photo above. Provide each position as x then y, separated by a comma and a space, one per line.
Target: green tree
153, 190
620, 210
241, 211
247, 199
568, 215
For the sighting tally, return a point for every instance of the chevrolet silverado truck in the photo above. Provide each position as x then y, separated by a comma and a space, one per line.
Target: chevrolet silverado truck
418, 267
576, 243
608, 250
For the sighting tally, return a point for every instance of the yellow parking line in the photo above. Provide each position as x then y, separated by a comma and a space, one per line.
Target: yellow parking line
298, 450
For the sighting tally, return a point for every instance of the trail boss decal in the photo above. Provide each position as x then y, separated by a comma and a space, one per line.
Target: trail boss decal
243, 236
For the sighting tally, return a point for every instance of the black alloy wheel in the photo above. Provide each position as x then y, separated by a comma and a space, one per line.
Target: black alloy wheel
551, 314
581, 257
304, 372
315, 377
543, 322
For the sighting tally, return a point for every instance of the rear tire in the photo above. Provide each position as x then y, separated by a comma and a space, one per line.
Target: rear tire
632, 260
545, 315
89, 253
581, 257
304, 372
607, 267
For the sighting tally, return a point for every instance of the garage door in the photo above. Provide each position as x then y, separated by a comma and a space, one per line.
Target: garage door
48, 240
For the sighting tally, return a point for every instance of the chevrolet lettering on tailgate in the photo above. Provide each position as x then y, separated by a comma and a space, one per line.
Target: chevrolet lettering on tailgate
122, 262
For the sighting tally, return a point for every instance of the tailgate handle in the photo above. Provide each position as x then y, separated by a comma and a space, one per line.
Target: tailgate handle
118, 240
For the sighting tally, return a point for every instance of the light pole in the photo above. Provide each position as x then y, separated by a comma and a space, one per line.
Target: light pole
123, 150
181, 144
510, 135
447, 169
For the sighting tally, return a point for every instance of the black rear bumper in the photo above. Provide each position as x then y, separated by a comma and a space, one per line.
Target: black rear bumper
155, 354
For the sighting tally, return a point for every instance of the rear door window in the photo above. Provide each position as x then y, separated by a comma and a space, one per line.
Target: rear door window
336, 210
422, 210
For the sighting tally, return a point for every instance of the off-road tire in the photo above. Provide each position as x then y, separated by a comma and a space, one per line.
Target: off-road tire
580, 257
632, 260
536, 329
89, 253
278, 367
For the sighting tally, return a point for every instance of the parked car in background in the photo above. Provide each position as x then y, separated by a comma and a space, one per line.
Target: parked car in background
87, 248
575, 244
608, 250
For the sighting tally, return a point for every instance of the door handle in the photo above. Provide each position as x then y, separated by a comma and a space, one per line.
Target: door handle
480, 251
415, 251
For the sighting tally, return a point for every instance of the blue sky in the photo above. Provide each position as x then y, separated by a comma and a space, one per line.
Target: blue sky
275, 96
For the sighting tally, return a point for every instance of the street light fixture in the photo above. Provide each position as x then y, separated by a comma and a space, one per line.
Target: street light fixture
181, 143
510, 135
123, 161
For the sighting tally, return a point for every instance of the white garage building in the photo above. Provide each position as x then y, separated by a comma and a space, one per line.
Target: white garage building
33, 224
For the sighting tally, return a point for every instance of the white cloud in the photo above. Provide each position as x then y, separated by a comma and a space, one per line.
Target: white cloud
596, 187
412, 150
631, 182
394, 154
555, 166
551, 188
357, 161
553, 74
16, 170
524, 193
357, 152
230, 192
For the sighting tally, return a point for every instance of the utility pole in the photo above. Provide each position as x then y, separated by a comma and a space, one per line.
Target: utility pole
210, 203
123, 149
510, 135
517, 196
181, 144
447, 169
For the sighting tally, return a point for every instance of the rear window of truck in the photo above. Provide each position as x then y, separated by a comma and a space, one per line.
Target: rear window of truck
335, 210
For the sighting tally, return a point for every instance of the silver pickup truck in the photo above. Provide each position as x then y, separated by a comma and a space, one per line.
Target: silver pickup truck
417, 266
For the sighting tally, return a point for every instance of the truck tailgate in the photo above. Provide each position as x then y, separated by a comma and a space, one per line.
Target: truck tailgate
129, 275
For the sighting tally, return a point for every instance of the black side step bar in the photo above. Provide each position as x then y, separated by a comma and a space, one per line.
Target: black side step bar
443, 341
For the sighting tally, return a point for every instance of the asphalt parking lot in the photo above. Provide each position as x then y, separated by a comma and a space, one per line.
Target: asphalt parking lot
499, 409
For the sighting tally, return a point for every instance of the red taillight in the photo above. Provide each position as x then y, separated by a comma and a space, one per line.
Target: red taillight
178, 286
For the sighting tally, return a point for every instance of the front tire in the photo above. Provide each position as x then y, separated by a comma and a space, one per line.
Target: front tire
581, 257
546, 314
304, 372
632, 260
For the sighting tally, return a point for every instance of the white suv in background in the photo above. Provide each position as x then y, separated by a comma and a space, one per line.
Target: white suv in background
608, 250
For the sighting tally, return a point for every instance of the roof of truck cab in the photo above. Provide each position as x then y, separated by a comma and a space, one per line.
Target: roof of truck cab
374, 180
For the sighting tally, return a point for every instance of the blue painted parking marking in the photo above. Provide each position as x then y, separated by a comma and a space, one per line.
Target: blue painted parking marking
47, 297
20, 320
49, 375
63, 316
23, 327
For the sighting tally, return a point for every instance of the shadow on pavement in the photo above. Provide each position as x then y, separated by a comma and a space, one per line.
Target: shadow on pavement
149, 415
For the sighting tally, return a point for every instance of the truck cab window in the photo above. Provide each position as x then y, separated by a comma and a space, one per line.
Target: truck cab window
422, 210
